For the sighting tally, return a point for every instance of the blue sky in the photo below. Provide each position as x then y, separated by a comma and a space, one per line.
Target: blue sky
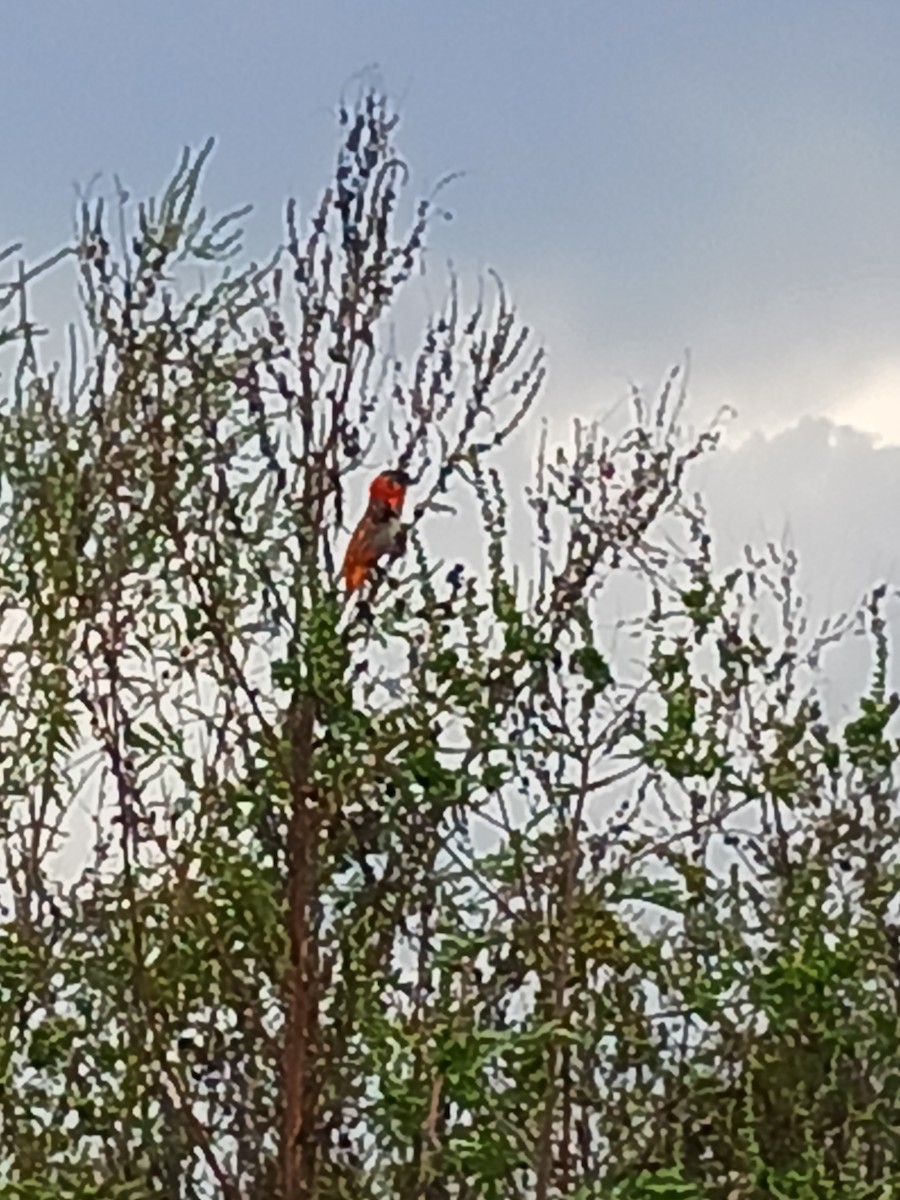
646, 176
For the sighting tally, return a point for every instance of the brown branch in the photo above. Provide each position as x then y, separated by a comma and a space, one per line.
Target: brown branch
200, 1138
299, 1090
544, 1163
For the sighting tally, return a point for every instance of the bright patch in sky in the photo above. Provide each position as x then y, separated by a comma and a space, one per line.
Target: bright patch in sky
875, 407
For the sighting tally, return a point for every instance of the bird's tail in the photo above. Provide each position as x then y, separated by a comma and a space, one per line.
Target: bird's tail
355, 575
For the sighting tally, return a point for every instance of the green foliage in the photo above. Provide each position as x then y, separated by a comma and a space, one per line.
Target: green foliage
679, 748
867, 747
500, 908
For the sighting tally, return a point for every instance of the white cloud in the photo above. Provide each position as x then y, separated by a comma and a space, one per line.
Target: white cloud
875, 406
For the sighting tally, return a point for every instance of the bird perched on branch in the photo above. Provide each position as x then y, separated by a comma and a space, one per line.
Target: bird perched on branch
379, 533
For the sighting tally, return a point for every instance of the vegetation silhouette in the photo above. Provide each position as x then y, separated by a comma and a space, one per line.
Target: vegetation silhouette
433, 892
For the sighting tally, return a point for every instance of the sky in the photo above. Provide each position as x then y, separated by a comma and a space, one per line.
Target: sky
649, 178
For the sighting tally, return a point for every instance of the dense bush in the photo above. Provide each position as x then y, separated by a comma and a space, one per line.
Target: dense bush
466, 890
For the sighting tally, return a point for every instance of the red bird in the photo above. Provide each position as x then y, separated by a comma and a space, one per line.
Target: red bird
379, 532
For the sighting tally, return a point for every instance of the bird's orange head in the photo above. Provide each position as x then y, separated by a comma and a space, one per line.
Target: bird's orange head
390, 487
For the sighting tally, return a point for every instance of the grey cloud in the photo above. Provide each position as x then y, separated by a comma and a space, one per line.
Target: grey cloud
831, 495
827, 489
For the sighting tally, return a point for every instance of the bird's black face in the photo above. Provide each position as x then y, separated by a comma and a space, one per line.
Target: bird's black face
401, 478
